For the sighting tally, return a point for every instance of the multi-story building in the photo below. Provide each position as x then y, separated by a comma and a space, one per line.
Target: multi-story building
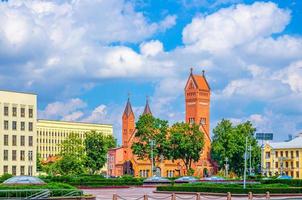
283, 158
18, 116
50, 134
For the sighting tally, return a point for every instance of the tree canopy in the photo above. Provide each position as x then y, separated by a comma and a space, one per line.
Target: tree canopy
229, 142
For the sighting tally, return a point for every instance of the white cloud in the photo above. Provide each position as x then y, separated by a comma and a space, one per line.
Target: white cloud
73, 116
62, 109
234, 26
151, 48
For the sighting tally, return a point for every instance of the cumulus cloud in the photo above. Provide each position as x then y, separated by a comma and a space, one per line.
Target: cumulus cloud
234, 26
151, 48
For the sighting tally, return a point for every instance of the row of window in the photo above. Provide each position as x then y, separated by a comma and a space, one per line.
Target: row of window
15, 113
21, 154
15, 127
281, 165
202, 120
286, 153
46, 148
49, 141
15, 141
22, 170
286, 173
144, 173
55, 134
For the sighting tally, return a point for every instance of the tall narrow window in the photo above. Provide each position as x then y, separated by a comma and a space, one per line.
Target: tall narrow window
14, 170
5, 125
30, 155
22, 155
30, 113
22, 140
14, 125
14, 111
22, 112
5, 169
5, 111
5, 155
14, 155
30, 141
30, 126
22, 126
5, 140
22, 170
14, 140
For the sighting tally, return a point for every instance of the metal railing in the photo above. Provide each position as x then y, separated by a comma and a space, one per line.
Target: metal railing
28, 194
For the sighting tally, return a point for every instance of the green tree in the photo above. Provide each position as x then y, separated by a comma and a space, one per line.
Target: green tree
39, 163
186, 143
72, 155
96, 148
229, 142
151, 128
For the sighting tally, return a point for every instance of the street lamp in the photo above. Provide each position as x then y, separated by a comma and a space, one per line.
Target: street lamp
152, 143
226, 166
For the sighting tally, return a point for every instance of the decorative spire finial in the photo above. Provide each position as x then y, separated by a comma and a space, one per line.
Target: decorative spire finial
129, 95
203, 72
191, 70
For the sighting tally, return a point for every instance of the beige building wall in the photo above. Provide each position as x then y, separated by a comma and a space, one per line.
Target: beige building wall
50, 134
18, 116
283, 158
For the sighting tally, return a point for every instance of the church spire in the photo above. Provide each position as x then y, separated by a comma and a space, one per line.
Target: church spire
147, 109
128, 109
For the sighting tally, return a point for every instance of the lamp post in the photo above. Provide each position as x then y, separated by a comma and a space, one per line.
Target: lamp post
245, 155
226, 166
152, 143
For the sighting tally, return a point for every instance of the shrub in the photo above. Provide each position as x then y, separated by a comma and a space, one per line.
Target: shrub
5, 177
290, 182
235, 190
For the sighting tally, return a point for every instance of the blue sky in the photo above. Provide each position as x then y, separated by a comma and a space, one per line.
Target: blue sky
83, 57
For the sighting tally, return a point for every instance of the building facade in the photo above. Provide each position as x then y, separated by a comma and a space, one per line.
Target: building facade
18, 117
51, 133
282, 158
197, 102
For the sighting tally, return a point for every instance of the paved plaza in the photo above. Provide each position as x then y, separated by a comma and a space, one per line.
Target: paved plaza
136, 193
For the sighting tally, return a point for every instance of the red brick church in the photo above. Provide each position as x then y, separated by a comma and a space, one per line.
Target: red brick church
121, 160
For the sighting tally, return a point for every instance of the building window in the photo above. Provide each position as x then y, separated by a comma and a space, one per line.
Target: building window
297, 164
14, 155
14, 125
276, 164
14, 140
14, 170
286, 164
191, 120
203, 121
30, 170
30, 141
297, 174
267, 155
292, 154
5, 125
22, 126
5, 169
22, 155
297, 154
22, 138
5, 140
281, 153
14, 112
30, 126
30, 155
268, 165
5, 155
5, 110
277, 154
30, 113
22, 112
286, 154
22, 170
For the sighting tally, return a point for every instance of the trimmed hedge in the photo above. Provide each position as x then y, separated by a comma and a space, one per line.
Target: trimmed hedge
234, 190
291, 182
94, 180
56, 189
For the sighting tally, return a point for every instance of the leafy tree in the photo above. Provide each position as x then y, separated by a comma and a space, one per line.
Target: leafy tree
186, 143
72, 155
39, 162
229, 142
96, 148
150, 128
